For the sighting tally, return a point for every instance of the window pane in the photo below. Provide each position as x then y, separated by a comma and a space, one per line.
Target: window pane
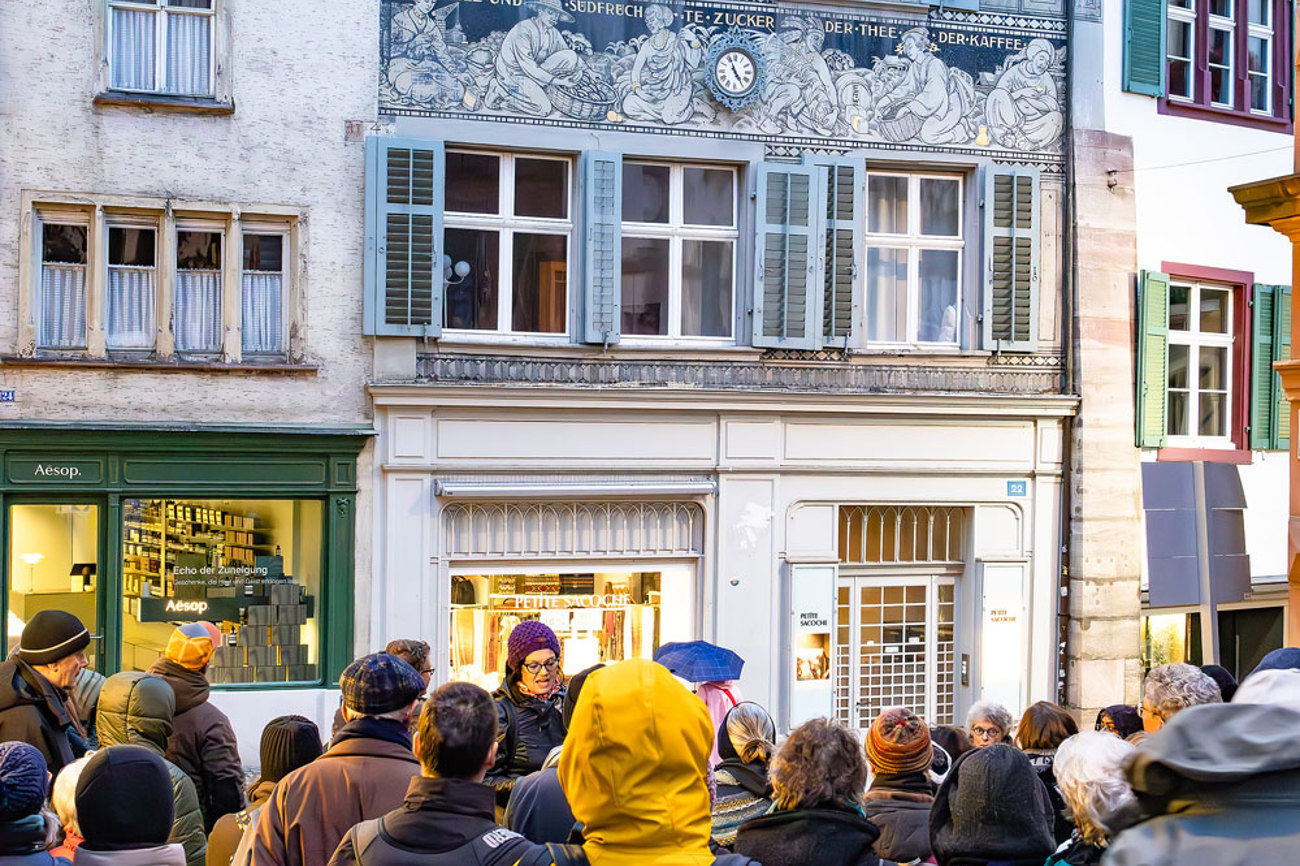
1214, 368
542, 188
939, 207
1214, 418
1178, 367
1178, 413
262, 294
62, 306
1180, 78
63, 244
197, 318
541, 270
887, 204
190, 4
706, 288
645, 193
1214, 311
53, 561
263, 252
1259, 92
1179, 49
1222, 8
938, 313
1221, 66
131, 57
1182, 4
473, 183
886, 294
131, 313
1178, 301
471, 302
189, 54
645, 285
1259, 11
198, 250
707, 196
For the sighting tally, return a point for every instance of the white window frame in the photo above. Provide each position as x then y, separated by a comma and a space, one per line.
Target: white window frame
506, 224
1185, 16
53, 216
224, 229
1262, 31
283, 230
675, 231
915, 242
154, 223
1225, 25
1194, 340
161, 9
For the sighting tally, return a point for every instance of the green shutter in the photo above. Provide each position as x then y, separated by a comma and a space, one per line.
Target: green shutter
1263, 401
602, 246
1144, 46
843, 246
787, 304
1153, 360
1281, 352
1011, 258
403, 253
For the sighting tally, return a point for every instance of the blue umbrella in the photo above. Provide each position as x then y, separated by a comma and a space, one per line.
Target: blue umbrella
699, 661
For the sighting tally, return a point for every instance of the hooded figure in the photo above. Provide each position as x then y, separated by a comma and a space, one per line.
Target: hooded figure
530, 706
1217, 784
1124, 720
634, 770
136, 709
992, 808
746, 742
24, 829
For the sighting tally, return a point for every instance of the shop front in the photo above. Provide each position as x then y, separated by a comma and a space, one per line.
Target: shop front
137, 530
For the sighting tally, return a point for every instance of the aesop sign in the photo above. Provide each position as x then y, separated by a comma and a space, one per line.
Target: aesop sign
54, 471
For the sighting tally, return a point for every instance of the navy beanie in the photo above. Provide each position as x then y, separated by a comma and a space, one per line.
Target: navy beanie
23, 779
124, 799
1286, 658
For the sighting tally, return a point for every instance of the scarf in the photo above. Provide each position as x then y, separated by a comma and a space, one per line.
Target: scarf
912, 787
372, 728
751, 777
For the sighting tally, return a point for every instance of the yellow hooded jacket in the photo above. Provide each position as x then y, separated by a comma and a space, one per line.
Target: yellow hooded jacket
633, 768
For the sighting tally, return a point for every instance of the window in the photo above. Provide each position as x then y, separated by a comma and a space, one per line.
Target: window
161, 279
161, 46
679, 243
914, 258
507, 230
1200, 360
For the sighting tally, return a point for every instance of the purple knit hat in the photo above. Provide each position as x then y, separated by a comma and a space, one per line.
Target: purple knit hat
527, 638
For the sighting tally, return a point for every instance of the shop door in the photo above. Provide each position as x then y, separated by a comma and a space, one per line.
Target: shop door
54, 560
895, 647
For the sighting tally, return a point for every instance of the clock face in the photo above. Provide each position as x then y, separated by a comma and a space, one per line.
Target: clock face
735, 71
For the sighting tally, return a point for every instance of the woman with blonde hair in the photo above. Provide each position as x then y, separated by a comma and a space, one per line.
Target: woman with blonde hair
1090, 776
65, 806
746, 742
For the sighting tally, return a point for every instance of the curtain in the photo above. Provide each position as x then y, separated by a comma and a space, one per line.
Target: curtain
132, 59
63, 307
189, 54
130, 307
197, 318
263, 303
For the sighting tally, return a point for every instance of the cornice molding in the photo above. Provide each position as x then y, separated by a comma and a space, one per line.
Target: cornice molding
1274, 202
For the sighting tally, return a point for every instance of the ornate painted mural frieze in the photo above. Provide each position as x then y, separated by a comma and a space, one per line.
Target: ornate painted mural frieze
958, 81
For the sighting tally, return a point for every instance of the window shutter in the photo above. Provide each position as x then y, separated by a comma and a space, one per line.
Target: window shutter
1011, 253
843, 246
1153, 360
1262, 352
404, 268
602, 246
787, 306
1144, 47
1281, 352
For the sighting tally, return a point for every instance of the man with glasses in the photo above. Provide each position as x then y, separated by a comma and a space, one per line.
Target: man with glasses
989, 723
529, 706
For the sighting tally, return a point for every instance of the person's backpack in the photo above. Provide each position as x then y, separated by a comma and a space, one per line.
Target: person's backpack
573, 855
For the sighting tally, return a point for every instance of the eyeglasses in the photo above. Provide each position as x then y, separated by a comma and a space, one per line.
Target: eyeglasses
985, 733
536, 667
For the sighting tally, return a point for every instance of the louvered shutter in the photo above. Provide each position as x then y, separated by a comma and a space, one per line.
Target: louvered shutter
1011, 253
1281, 352
602, 246
1153, 360
1144, 47
787, 308
404, 269
1262, 399
843, 246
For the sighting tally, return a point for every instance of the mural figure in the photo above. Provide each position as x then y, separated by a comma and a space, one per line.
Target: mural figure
1023, 111
533, 55
661, 84
861, 90
800, 95
424, 68
930, 102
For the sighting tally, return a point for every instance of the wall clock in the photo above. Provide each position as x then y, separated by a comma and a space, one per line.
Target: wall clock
735, 69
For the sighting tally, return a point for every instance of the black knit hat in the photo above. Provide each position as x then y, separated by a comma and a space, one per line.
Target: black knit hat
288, 742
991, 806
51, 635
124, 799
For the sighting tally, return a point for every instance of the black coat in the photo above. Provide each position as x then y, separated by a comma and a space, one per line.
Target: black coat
1044, 765
34, 711
443, 822
903, 818
801, 837
22, 843
527, 730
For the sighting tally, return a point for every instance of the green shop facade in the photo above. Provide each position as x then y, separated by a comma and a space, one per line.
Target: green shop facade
137, 530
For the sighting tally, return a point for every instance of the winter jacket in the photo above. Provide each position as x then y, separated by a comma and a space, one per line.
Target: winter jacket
633, 769
899, 806
228, 832
742, 793
22, 843
538, 809
159, 855
135, 709
203, 743
527, 729
1217, 785
442, 822
1043, 760
798, 837
362, 775
35, 711
1076, 852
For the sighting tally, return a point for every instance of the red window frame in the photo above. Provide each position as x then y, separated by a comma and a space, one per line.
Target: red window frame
1240, 114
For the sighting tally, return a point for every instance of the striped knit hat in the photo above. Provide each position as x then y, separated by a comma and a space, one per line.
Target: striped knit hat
191, 645
899, 743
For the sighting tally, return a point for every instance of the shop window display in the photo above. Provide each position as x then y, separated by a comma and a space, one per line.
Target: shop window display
251, 566
599, 617
53, 565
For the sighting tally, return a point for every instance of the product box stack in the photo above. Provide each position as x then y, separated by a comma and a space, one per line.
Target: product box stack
268, 646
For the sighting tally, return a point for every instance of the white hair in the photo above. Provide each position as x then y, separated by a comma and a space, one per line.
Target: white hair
1173, 687
993, 712
64, 798
1089, 770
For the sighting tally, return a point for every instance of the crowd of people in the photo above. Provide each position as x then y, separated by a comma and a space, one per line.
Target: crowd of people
623, 764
